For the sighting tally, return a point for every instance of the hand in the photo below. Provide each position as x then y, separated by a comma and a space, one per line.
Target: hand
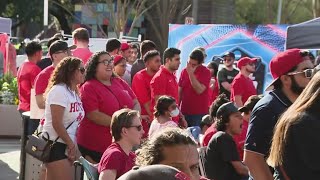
190, 69
183, 123
71, 152
146, 118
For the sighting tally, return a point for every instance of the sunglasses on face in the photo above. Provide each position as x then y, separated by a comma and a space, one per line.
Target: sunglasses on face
228, 60
82, 70
107, 62
307, 73
139, 127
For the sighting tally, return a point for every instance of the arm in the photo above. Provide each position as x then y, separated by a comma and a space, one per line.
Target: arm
99, 118
196, 85
238, 100
40, 101
257, 165
222, 78
108, 175
180, 94
240, 168
212, 83
147, 108
226, 86
136, 105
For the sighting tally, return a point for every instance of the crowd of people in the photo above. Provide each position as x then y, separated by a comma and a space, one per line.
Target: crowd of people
124, 107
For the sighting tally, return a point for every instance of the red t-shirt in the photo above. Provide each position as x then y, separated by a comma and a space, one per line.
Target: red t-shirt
106, 99
114, 158
213, 94
83, 53
193, 103
241, 138
42, 80
242, 86
208, 134
27, 73
164, 83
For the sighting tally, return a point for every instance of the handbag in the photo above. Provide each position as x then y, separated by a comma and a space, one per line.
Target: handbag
39, 146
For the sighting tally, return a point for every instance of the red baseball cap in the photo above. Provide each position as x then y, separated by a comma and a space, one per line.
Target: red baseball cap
282, 63
117, 59
124, 46
245, 60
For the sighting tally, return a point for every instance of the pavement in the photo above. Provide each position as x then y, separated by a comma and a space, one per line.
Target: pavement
9, 159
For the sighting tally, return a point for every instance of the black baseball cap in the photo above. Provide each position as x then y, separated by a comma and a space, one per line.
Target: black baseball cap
250, 103
154, 172
59, 46
229, 54
226, 110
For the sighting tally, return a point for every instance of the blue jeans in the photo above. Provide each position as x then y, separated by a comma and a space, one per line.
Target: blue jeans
194, 120
195, 131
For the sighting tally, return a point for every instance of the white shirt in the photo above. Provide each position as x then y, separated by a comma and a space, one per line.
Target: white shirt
61, 95
156, 126
127, 74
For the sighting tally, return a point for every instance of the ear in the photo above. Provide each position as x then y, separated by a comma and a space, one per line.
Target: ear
124, 132
75, 41
286, 80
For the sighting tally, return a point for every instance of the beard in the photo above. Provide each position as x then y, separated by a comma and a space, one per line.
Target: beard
295, 88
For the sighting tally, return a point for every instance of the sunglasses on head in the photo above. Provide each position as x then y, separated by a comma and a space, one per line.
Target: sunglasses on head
82, 70
308, 73
139, 127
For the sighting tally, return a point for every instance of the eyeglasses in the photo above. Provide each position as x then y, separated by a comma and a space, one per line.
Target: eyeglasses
107, 62
63, 51
307, 73
139, 127
82, 70
228, 60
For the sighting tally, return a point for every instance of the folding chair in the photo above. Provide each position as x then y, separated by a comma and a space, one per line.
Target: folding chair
202, 152
90, 169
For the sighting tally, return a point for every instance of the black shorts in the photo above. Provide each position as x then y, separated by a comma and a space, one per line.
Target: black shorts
94, 155
58, 152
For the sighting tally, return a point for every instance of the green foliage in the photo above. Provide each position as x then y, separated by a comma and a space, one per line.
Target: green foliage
8, 89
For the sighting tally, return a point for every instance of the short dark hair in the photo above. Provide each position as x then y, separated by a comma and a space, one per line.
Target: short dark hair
219, 101
112, 44
221, 123
162, 105
121, 119
33, 47
147, 45
152, 150
170, 53
150, 54
81, 34
197, 55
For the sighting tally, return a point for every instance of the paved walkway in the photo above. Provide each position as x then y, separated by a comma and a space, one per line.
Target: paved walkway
9, 159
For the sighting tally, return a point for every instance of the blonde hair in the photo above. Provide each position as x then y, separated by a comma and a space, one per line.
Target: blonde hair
308, 100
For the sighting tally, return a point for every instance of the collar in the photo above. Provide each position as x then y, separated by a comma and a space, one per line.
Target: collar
281, 97
165, 70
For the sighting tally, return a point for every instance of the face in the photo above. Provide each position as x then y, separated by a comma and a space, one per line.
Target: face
298, 80
194, 63
126, 53
79, 74
211, 70
105, 67
39, 55
228, 61
183, 157
154, 63
135, 132
234, 126
174, 62
58, 56
120, 68
133, 55
251, 67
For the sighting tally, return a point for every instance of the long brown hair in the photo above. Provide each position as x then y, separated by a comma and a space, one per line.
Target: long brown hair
307, 101
64, 72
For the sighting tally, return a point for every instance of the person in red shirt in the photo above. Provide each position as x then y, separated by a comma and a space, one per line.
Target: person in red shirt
119, 65
141, 86
57, 50
242, 86
220, 100
214, 84
102, 94
81, 40
126, 130
246, 110
26, 75
193, 89
164, 82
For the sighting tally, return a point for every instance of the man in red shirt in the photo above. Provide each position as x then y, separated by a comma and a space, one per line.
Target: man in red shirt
193, 89
57, 51
164, 82
141, 85
81, 40
27, 73
242, 86
118, 158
